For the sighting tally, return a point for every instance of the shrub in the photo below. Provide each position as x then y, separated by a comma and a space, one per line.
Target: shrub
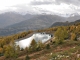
47, 46
27, 57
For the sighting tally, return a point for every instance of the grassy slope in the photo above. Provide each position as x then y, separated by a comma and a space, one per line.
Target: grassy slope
69, 49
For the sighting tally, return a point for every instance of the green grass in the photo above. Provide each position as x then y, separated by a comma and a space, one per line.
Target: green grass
68, 54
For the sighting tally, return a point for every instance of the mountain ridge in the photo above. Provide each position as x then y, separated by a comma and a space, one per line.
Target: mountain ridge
31, 22
65, 23
10, 18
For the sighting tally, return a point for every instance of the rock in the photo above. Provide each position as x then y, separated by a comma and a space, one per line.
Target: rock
78, 55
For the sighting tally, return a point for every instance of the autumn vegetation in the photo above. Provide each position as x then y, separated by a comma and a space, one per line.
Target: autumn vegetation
61, 35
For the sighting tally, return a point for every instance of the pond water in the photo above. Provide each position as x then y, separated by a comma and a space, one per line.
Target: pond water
37, 36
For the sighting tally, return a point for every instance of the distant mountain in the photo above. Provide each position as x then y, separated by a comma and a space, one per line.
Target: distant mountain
10, 18
73, 18
37, 22
65, 23
15, 23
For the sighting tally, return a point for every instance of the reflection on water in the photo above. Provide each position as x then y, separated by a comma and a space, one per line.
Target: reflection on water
37, 36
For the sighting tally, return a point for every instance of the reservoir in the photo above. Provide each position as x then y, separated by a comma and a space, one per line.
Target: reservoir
37, 37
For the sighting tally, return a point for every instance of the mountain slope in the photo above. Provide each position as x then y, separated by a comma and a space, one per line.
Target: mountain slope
65, 23
32, 22
37, 22
10, 18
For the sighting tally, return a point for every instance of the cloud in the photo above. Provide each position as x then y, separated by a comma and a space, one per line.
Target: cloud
74, 2
41, 6
23, 9
41, 2
45, 2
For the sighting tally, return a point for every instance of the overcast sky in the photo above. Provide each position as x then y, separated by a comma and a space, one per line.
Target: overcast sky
41, 6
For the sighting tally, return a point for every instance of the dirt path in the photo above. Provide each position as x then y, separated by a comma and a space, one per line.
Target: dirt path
30, 55
44, 55
29, 35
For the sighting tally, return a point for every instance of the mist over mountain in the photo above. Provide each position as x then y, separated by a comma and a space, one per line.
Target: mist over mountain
11, 23
34, 23
39, 21
10, 18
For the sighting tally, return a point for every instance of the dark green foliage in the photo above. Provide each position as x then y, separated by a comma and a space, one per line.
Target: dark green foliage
22, 49
60, 35
47, 46
33, 46
40, 45
27, 57
10, 52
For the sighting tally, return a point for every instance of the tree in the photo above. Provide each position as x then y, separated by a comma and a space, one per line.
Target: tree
10, 52
1, 51
18, 48
47, 46
33, 46
72, 28
65, 33
73, 36
33, 42
27, 57
60, 35
40, 45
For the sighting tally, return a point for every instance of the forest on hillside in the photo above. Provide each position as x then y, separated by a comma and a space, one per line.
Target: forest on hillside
68, 36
